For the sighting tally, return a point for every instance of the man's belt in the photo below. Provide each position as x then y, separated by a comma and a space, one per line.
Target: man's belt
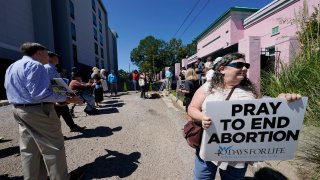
27, 105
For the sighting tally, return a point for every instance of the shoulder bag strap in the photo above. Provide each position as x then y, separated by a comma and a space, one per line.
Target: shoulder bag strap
230, 93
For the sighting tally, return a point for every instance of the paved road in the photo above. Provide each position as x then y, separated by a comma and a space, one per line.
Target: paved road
131, 138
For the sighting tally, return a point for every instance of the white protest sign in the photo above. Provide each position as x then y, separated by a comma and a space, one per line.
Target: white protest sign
59, 86
255, 130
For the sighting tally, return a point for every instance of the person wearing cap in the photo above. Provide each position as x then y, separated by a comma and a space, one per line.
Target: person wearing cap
229, 81
62, 109
41, 140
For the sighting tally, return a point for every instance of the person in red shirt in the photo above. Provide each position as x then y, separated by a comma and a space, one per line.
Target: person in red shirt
135, 78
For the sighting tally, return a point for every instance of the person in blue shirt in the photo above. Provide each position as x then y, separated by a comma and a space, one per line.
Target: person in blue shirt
113, 81
41, 140
62, 109
168, 75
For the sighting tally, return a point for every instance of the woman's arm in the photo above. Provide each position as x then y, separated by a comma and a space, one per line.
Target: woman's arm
195, 108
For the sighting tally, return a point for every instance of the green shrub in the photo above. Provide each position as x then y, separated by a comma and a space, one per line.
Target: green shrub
303, 74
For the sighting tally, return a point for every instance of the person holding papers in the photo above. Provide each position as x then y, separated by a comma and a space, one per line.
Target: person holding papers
42, 148
230, 75
61, 108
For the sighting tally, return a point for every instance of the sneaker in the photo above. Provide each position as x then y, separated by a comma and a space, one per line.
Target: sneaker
77, 128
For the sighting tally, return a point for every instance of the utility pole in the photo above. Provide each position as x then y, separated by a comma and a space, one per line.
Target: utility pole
129, 66
153, 65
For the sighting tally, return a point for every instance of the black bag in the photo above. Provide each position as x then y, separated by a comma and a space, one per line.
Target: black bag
186, 101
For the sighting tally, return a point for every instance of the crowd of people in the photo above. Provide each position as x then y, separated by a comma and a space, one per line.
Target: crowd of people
143, 80
37, 107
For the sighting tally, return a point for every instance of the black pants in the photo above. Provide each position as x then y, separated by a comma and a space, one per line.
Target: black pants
64, 112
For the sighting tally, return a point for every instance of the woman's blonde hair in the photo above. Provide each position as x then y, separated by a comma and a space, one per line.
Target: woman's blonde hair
191, 74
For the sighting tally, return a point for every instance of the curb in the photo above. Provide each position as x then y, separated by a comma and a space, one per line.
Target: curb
178, 101
4, 102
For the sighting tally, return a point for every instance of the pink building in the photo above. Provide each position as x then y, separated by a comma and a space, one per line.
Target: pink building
265, 36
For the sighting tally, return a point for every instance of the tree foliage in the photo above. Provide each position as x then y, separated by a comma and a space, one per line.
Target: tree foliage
123, 75
155, 54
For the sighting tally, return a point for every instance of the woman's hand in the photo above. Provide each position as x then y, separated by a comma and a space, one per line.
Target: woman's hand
206, 122
290, 97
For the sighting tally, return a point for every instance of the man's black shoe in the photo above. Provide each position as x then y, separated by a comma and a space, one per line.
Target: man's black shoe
77, 128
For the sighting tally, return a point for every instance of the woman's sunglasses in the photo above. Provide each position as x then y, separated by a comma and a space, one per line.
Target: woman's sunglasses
239, 65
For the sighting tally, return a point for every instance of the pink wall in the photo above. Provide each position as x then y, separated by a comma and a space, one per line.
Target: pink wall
287, 30
177, 70
250, 47
237, 29
218, 43
230, 31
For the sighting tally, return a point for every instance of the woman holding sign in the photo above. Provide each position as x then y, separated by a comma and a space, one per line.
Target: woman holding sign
229, 81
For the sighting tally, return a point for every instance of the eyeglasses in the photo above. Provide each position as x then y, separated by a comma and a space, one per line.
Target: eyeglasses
239, 65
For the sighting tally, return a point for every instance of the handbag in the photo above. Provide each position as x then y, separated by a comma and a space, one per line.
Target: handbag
141, 82
192, 131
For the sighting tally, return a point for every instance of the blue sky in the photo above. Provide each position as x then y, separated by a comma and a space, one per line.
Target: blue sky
133, 20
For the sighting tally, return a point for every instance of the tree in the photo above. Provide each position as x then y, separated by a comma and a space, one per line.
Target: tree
152, 54
147, 52
123, 75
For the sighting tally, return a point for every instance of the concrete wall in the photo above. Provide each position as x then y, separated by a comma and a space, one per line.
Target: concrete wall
62, 33
16, 22
84, 29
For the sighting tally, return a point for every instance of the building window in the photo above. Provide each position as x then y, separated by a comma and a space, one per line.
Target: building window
97, 62
93, 5
270, 51
99, 14
101, 53
94, 19
100, 27
71, 9
75, 54
96, 49
95, 34
102, 64
101, 40
275, 30
73, 32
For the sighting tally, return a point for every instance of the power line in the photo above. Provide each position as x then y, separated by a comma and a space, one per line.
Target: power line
195, 18
185, 19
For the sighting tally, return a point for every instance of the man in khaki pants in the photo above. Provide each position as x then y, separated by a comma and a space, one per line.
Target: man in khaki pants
41, 140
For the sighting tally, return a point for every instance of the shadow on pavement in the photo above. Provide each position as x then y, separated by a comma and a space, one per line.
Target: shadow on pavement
119, 104
100, 131
9, 151
111, 101
112, 164
5, 140
5, 177
108, 110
